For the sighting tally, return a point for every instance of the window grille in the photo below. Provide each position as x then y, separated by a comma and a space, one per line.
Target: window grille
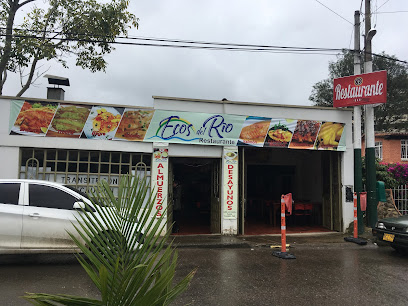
378, 150
404, 149
81, 169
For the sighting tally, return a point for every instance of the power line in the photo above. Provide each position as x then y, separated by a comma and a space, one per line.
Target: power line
389, 12
387, 57
381, 6
188, 44
272, 49
178, 41
334, 12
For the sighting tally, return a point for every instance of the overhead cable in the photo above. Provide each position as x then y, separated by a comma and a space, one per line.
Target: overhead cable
187, 44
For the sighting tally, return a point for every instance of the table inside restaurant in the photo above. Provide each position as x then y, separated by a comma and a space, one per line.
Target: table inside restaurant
299, 208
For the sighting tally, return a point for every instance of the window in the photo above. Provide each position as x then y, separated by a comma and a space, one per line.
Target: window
46, 196
404, 149
9, 193
80, 169
378, 150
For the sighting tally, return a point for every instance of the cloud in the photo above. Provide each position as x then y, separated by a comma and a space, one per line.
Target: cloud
137, 73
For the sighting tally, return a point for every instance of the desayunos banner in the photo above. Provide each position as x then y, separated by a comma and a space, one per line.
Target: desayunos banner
44, 119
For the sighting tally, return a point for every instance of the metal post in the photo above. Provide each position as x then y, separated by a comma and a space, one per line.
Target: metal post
355, 231
355, 238
358, 173
369, 122
283, 254
283, 225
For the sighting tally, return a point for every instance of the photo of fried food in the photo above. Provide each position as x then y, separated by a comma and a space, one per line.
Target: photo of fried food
329, 135
280, 135
70, 119
306, 131
255, 132
105, 122
134, 124
34, 118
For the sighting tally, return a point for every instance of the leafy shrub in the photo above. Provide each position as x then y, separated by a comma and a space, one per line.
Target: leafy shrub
399, 172
127, 259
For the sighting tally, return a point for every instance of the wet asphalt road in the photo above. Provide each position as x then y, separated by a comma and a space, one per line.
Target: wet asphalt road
337, 274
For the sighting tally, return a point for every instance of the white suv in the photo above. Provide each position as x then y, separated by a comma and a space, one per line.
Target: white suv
36, 215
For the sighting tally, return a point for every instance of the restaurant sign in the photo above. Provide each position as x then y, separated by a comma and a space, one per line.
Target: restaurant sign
45, 119
160, 169
368, 88
196, 128
230, 198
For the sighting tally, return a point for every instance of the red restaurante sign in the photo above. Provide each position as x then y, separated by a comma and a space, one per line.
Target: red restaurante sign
368, 88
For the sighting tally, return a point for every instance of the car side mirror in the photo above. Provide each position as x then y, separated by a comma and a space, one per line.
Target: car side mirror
82, 206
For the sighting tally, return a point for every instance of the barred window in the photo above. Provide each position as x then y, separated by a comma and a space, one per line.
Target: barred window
81, 169
404, 149
378, 150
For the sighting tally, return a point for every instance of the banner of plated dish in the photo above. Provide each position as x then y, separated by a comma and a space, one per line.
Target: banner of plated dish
43, 119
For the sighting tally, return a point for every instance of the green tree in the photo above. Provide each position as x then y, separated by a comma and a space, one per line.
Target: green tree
382, 174
56, 30
128, 267
389, 116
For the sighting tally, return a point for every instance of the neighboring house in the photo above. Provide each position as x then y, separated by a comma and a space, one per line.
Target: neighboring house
390, 147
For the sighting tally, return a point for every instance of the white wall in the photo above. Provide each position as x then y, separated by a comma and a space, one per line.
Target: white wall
9, 157
185, 150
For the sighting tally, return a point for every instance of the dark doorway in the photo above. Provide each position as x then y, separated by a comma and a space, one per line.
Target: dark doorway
192, 195
265, 185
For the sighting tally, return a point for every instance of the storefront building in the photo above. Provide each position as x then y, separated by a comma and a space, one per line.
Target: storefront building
219, 167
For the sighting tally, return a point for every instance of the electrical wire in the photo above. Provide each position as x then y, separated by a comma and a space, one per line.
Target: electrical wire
178, 41
188, 44
213, 46
382, 5
334, 12
389, 12
351, 37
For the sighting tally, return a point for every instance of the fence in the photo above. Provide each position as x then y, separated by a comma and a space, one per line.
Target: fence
400, 195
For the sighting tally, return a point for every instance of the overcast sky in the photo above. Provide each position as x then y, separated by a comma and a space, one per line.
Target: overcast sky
136, 73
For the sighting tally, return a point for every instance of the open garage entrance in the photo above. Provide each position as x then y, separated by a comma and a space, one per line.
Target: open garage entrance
313, 178
194, 187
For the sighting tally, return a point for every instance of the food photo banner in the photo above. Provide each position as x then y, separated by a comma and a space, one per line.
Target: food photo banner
44, 119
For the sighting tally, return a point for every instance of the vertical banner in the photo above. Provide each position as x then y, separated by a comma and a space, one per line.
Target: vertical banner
230, 182
160, 170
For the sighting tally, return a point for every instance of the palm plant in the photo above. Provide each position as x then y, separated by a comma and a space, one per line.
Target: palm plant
122, 250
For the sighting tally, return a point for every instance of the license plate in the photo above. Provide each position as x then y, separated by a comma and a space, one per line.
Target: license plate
388, 237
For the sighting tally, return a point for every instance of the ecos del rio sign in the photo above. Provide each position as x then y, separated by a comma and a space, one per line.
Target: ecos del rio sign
368, 88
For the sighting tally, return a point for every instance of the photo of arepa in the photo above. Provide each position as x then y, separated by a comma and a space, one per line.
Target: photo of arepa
69, 120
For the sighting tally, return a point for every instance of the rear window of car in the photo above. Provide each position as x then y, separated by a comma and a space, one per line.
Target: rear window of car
47, 196
9, 193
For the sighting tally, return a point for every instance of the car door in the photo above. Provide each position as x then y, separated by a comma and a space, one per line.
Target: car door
11, 214
48, 217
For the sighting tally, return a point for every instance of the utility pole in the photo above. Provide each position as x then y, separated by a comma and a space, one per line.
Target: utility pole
358, 173
369, 123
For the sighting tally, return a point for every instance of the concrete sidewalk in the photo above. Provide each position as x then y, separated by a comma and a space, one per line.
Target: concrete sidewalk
219, 241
